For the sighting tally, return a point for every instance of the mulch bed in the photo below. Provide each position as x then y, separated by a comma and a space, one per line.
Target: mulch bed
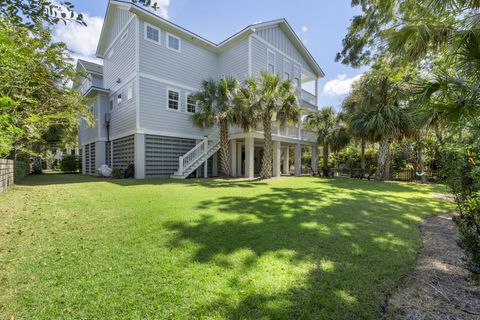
440, 287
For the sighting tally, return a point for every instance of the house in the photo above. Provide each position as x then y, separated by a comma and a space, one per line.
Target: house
142, 95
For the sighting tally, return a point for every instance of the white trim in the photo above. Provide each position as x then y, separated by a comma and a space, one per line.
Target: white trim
168, 45
188, 93
285, 60
145, 25
130, 91
249, 56
118, 36
99, 115
93, 141
122, 135
168, 99
124, 37
168, 82
269, 51
137, 72
169, 134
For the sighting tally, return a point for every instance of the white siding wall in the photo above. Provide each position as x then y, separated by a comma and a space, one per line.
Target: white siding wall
234, 61
155, 116
120, 19
276, 37
121, 65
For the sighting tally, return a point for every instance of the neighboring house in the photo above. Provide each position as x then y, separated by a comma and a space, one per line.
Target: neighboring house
141, 95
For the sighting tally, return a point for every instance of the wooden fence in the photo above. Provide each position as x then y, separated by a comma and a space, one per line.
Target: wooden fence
11, 171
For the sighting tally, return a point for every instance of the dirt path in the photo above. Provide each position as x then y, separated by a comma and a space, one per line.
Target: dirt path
440, 287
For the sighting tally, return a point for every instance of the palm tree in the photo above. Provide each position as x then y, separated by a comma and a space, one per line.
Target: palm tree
331, 135
272, 100
380, 116
216, 104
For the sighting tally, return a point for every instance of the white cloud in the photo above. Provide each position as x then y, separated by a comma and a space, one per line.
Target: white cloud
339, 86
162, 8
81, 40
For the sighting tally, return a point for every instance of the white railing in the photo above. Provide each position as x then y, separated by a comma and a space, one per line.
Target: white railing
197, 152
309, 97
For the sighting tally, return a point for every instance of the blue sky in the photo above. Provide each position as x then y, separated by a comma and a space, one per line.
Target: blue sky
320, 24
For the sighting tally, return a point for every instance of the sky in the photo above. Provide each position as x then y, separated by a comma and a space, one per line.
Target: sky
320, 24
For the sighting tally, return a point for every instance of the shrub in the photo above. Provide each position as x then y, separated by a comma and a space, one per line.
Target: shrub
460, 170
118, 173
70, 164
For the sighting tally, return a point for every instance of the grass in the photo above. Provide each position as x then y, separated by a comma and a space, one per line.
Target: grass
75, 247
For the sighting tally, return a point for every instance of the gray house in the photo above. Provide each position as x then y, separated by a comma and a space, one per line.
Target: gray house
142, 95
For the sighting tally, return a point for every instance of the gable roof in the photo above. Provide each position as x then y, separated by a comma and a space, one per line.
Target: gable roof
91, 67
239, 36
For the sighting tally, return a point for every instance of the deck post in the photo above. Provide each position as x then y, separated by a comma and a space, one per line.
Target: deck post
249, 161
233, 158
276, 159
298, 160
286, 160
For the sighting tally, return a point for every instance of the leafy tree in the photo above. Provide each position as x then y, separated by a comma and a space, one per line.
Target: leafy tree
216, 106
31, 13
331, 134
380, 115
273, 100
35, 77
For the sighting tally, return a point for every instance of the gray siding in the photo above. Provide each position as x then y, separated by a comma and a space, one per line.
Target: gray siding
97, 81
234, 61
189, 67
88, 134
276, 37
154, 114
119, 20
162, 153
121, 65
259, 57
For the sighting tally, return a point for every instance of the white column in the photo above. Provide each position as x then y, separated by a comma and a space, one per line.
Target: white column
249, 149
233, 158
277, 159
100, 150
298, 160
205, 164
286, 160
139, 158
315, 159
239, 159
205, 169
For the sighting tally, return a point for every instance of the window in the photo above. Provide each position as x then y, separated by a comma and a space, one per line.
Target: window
119, 99
173, 99
271, 61
296, 76
130, 92
286, 69
111, 105
124, 37
173, 42
191, 104
152, 33
91, 108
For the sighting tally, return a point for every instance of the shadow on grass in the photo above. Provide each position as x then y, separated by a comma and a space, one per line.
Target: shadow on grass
359, 246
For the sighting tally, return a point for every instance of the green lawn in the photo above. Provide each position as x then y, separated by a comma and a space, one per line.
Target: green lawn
74, 247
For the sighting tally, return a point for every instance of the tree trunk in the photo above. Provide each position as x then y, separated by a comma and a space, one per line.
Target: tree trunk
382, 160
267, 160
325, 168
224, 149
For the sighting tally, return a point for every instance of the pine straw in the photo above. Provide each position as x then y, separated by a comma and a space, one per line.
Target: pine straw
440, 287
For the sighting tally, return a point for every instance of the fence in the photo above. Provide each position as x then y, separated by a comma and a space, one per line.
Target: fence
11, 171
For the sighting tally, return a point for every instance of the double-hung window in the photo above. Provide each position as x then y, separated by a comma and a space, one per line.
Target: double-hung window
297, 76
173, 42
191, 104
152, 33
271, 61
287, 69
173, 98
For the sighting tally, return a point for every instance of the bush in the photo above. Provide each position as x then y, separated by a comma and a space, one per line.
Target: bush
70, 164
118, 173
460, 170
